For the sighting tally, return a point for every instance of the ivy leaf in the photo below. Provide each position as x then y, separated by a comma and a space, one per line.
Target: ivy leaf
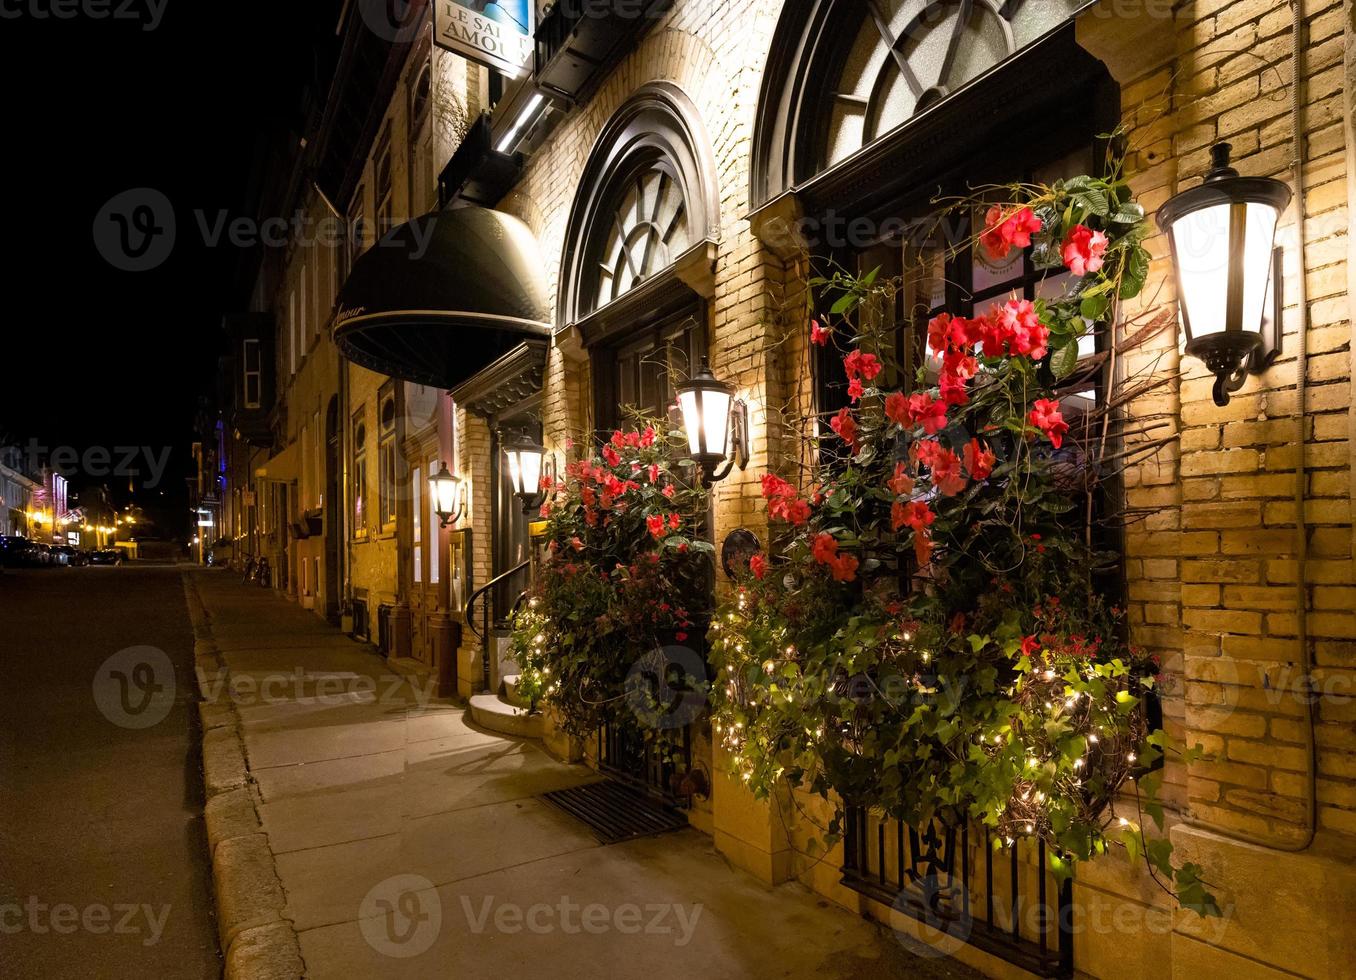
1094, 307
1065, 361
1136, 272
1129, 213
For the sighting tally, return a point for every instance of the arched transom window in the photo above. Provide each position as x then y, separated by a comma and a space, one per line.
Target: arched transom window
909, 54
648, 231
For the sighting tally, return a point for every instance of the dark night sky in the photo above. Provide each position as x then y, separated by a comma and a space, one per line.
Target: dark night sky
102, 357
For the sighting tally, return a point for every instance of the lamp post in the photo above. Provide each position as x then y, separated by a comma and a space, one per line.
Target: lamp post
529, 464
716, 424
1222, 234
448, 493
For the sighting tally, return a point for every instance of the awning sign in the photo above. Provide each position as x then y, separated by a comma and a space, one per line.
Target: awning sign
495, 33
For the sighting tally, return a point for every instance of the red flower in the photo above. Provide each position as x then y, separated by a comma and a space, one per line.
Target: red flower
953, 392
825, 547
843, 568
1046, 416
901, 484
897, 408
611, 456
846, 427
668, 492
654, 473
789, 509
775, 486
618, 439
647, 436
1001, 234
758, 565
576, 543
655, 522
932, 414
979, 460
1014, 328
916, 515
922, 548
946, 473
818, 334
946, 331
675, 521
865, 365
680, 636
855, 390
1083, 250
1029, 645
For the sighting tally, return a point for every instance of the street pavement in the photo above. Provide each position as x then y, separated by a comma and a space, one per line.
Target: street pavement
409, 843
103, 857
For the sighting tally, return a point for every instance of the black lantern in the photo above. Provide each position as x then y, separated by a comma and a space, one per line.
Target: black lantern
717, 424
1222, 236
529, 466
448, 494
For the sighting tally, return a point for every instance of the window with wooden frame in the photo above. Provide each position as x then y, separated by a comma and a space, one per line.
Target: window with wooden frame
252, 363
358, 492
387, 474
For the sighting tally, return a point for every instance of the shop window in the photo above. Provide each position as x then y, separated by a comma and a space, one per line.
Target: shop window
417, 530
383, 185
386, 463
434, 572
359, 477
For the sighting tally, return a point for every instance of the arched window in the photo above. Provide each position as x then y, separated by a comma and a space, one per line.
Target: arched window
640, 250
842, 74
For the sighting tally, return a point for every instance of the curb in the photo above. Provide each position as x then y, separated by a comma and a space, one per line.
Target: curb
257, 940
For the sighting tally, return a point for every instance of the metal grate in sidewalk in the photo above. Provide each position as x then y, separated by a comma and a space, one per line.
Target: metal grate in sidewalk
616, 812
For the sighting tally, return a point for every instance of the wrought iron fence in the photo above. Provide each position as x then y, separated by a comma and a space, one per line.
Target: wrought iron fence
955, 881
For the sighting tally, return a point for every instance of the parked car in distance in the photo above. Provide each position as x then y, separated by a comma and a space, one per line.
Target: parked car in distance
65, 554
109, 556
15, 550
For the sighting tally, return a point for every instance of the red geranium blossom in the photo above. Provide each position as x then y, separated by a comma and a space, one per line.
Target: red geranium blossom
611, 456
818, 334
758, 565
866, 366
855, 390
1046, 416
979, 460
1083, 250
897, 408
914, 514
655, 522
932, 414
946, 331
846, 427
1001, 234
1029, 645
901, 484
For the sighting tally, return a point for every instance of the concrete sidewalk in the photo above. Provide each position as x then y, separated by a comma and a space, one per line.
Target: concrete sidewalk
407, 843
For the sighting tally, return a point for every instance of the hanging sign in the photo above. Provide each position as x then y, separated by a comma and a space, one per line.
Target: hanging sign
495, 33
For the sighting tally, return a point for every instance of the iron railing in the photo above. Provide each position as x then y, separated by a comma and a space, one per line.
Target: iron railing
486, 613
955, 881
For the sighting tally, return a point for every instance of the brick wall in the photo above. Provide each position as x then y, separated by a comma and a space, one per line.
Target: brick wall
1219, 557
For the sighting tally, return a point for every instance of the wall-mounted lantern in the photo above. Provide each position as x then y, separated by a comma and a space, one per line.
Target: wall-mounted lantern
1223, 236
529, 465
717, 424
448, 494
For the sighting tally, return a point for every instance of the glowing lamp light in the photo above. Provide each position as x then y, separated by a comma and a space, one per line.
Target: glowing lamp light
528, 462
716, 424
1222, 234
448, 495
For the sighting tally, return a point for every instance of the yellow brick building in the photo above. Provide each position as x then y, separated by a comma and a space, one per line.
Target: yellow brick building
673, 190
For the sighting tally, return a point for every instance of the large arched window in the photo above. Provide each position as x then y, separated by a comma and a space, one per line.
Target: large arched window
640, 249
842, 74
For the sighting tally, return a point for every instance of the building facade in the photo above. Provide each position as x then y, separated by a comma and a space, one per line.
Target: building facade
668, 195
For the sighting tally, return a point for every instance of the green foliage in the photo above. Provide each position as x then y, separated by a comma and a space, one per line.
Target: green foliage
932, 640
627, 570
